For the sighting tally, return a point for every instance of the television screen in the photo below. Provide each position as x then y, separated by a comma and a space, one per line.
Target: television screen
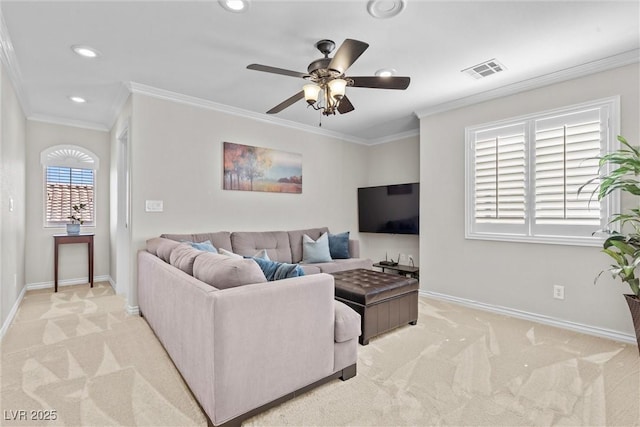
393, 209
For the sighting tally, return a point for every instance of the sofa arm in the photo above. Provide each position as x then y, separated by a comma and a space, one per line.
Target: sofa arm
179, 309
347, 325
354, 248
270, 339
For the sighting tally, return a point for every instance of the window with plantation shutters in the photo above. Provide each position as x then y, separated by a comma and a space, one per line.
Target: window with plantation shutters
526, 176
69, 179
499, 158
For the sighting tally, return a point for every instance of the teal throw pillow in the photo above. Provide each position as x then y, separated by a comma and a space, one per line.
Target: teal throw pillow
203, 246
339, 245
315, 251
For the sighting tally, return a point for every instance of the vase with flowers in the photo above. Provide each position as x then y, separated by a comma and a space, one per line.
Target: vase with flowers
76, 218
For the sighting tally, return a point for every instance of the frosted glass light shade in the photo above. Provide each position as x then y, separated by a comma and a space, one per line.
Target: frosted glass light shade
337, 88
311, 93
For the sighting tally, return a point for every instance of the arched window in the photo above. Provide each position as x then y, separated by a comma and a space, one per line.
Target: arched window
69, 179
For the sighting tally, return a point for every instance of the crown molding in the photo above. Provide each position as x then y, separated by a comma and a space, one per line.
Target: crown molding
8, 58
118, 103
142, 89
609, 63
393, 138
68, 122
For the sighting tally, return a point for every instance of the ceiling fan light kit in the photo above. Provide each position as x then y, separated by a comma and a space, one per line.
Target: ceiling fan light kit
327, 75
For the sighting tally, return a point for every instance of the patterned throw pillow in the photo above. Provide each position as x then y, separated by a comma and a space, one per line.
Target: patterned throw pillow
274, 270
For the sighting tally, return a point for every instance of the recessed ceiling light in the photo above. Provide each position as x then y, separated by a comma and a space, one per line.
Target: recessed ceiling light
384, 9
85, 51
237, 6
385, 72
78, 99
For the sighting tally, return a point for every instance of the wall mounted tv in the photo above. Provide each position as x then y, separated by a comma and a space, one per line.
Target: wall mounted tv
393, 209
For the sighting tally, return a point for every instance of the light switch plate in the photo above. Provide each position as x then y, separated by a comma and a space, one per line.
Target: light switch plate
153, 206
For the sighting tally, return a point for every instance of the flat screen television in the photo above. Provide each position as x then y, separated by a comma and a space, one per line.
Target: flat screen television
393, 209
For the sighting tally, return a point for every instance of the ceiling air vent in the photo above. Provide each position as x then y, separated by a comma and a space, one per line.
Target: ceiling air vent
484, 69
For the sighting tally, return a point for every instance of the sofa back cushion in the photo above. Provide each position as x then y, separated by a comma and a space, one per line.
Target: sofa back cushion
220, 239
295, 241
161, 247
276, 243
224, 272
183, 257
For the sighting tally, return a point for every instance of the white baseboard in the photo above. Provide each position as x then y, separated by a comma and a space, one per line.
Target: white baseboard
112, 283
68, 282
538, 318
12, 313
133, 310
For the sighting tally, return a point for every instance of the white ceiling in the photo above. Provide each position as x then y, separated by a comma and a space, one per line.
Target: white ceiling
197, 49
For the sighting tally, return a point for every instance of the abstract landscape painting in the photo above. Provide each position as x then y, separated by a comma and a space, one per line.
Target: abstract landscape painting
249, 168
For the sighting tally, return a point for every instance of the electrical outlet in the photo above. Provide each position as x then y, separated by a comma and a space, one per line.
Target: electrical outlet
558, 292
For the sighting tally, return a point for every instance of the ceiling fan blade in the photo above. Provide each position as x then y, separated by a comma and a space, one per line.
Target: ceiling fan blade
345, 105
346, 55
376, 82
274, 70
287, 102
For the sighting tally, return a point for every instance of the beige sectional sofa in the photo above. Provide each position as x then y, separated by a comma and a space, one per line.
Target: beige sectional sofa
282, 246
241, 344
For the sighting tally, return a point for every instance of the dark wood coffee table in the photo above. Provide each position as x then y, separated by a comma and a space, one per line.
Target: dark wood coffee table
384, 301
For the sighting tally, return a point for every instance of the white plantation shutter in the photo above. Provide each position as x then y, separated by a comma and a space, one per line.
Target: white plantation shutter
69, 179
499, 171
523, 176
566, 148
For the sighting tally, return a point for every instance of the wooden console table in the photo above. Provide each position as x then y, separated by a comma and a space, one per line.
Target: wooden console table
63, 239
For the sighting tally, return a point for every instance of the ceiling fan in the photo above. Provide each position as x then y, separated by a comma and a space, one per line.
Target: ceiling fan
327, 75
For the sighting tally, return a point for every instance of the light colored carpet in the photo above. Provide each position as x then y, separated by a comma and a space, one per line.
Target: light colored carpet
77, 352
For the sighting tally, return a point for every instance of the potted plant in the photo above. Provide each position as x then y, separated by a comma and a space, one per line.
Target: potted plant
76, 218
623, 173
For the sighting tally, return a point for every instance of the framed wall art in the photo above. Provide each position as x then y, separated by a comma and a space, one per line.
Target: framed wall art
248, 168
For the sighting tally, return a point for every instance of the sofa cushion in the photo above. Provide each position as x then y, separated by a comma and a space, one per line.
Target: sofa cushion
314, 251
154, 243
229, 254
224, 272
220, 239
310, 269
345, 264
276, 243
274, 270
347, 322
295, 240
183, 257
164, 249
339, 245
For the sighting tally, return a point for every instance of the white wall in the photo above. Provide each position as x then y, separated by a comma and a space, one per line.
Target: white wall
12, 188
39, 244
395, 162
119, 239
176, 156
516, 275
